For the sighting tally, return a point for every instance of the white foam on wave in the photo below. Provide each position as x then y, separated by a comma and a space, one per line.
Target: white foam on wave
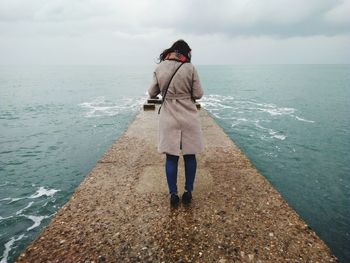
271, 132
12, 199
100, 106
250, 112
279, 137
236, 121
36, 219
42, 191
241, 119
208, 104
275, 134
217, 98
304, 120
221, 106
8, 247
275, 111
3, 218
217, 115
21, 210
218, 102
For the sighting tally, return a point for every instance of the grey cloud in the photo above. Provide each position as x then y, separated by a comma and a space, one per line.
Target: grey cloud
340, 14
120, 31
277, 18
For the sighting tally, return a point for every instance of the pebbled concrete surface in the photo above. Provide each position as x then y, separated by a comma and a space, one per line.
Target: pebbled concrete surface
121, 211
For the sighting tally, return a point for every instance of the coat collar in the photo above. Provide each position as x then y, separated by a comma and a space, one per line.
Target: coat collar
176, 56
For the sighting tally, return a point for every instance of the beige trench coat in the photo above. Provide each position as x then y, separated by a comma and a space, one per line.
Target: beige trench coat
179, 123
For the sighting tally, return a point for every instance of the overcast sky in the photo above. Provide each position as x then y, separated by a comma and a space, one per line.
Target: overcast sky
136, 31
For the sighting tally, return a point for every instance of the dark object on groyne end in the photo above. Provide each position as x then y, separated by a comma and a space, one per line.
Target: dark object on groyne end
155, 101
121, 211
151, 104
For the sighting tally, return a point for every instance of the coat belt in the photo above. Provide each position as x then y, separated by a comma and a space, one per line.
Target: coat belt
178, 96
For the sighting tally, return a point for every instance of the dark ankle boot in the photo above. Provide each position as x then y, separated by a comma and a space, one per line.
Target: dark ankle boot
174, 199
186, 197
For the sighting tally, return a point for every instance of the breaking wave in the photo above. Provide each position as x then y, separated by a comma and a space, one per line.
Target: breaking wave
100, 106
36, 219
251, 114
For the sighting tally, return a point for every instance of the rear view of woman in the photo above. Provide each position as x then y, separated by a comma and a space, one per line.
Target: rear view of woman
176, 79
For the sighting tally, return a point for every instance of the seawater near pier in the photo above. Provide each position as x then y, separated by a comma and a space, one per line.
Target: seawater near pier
121, 212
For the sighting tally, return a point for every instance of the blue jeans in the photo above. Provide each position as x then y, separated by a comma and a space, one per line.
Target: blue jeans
171, 171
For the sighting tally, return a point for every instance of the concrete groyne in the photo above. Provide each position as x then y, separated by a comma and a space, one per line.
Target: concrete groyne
121, 211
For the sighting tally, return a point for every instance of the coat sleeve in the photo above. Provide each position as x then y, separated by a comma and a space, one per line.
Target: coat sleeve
197, 90
154, 90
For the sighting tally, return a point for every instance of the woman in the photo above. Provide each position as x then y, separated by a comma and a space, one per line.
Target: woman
179, 124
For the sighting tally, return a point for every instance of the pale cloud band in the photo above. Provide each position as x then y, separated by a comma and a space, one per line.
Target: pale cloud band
111, 26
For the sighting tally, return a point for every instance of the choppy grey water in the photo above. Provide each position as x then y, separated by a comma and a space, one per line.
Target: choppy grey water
291, 120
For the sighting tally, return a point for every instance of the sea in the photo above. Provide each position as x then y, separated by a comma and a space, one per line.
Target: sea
292, 121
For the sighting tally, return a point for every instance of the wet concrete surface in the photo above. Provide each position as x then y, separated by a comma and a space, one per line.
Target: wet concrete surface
121, 211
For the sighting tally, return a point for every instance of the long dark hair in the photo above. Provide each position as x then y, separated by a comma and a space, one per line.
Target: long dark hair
179, 46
